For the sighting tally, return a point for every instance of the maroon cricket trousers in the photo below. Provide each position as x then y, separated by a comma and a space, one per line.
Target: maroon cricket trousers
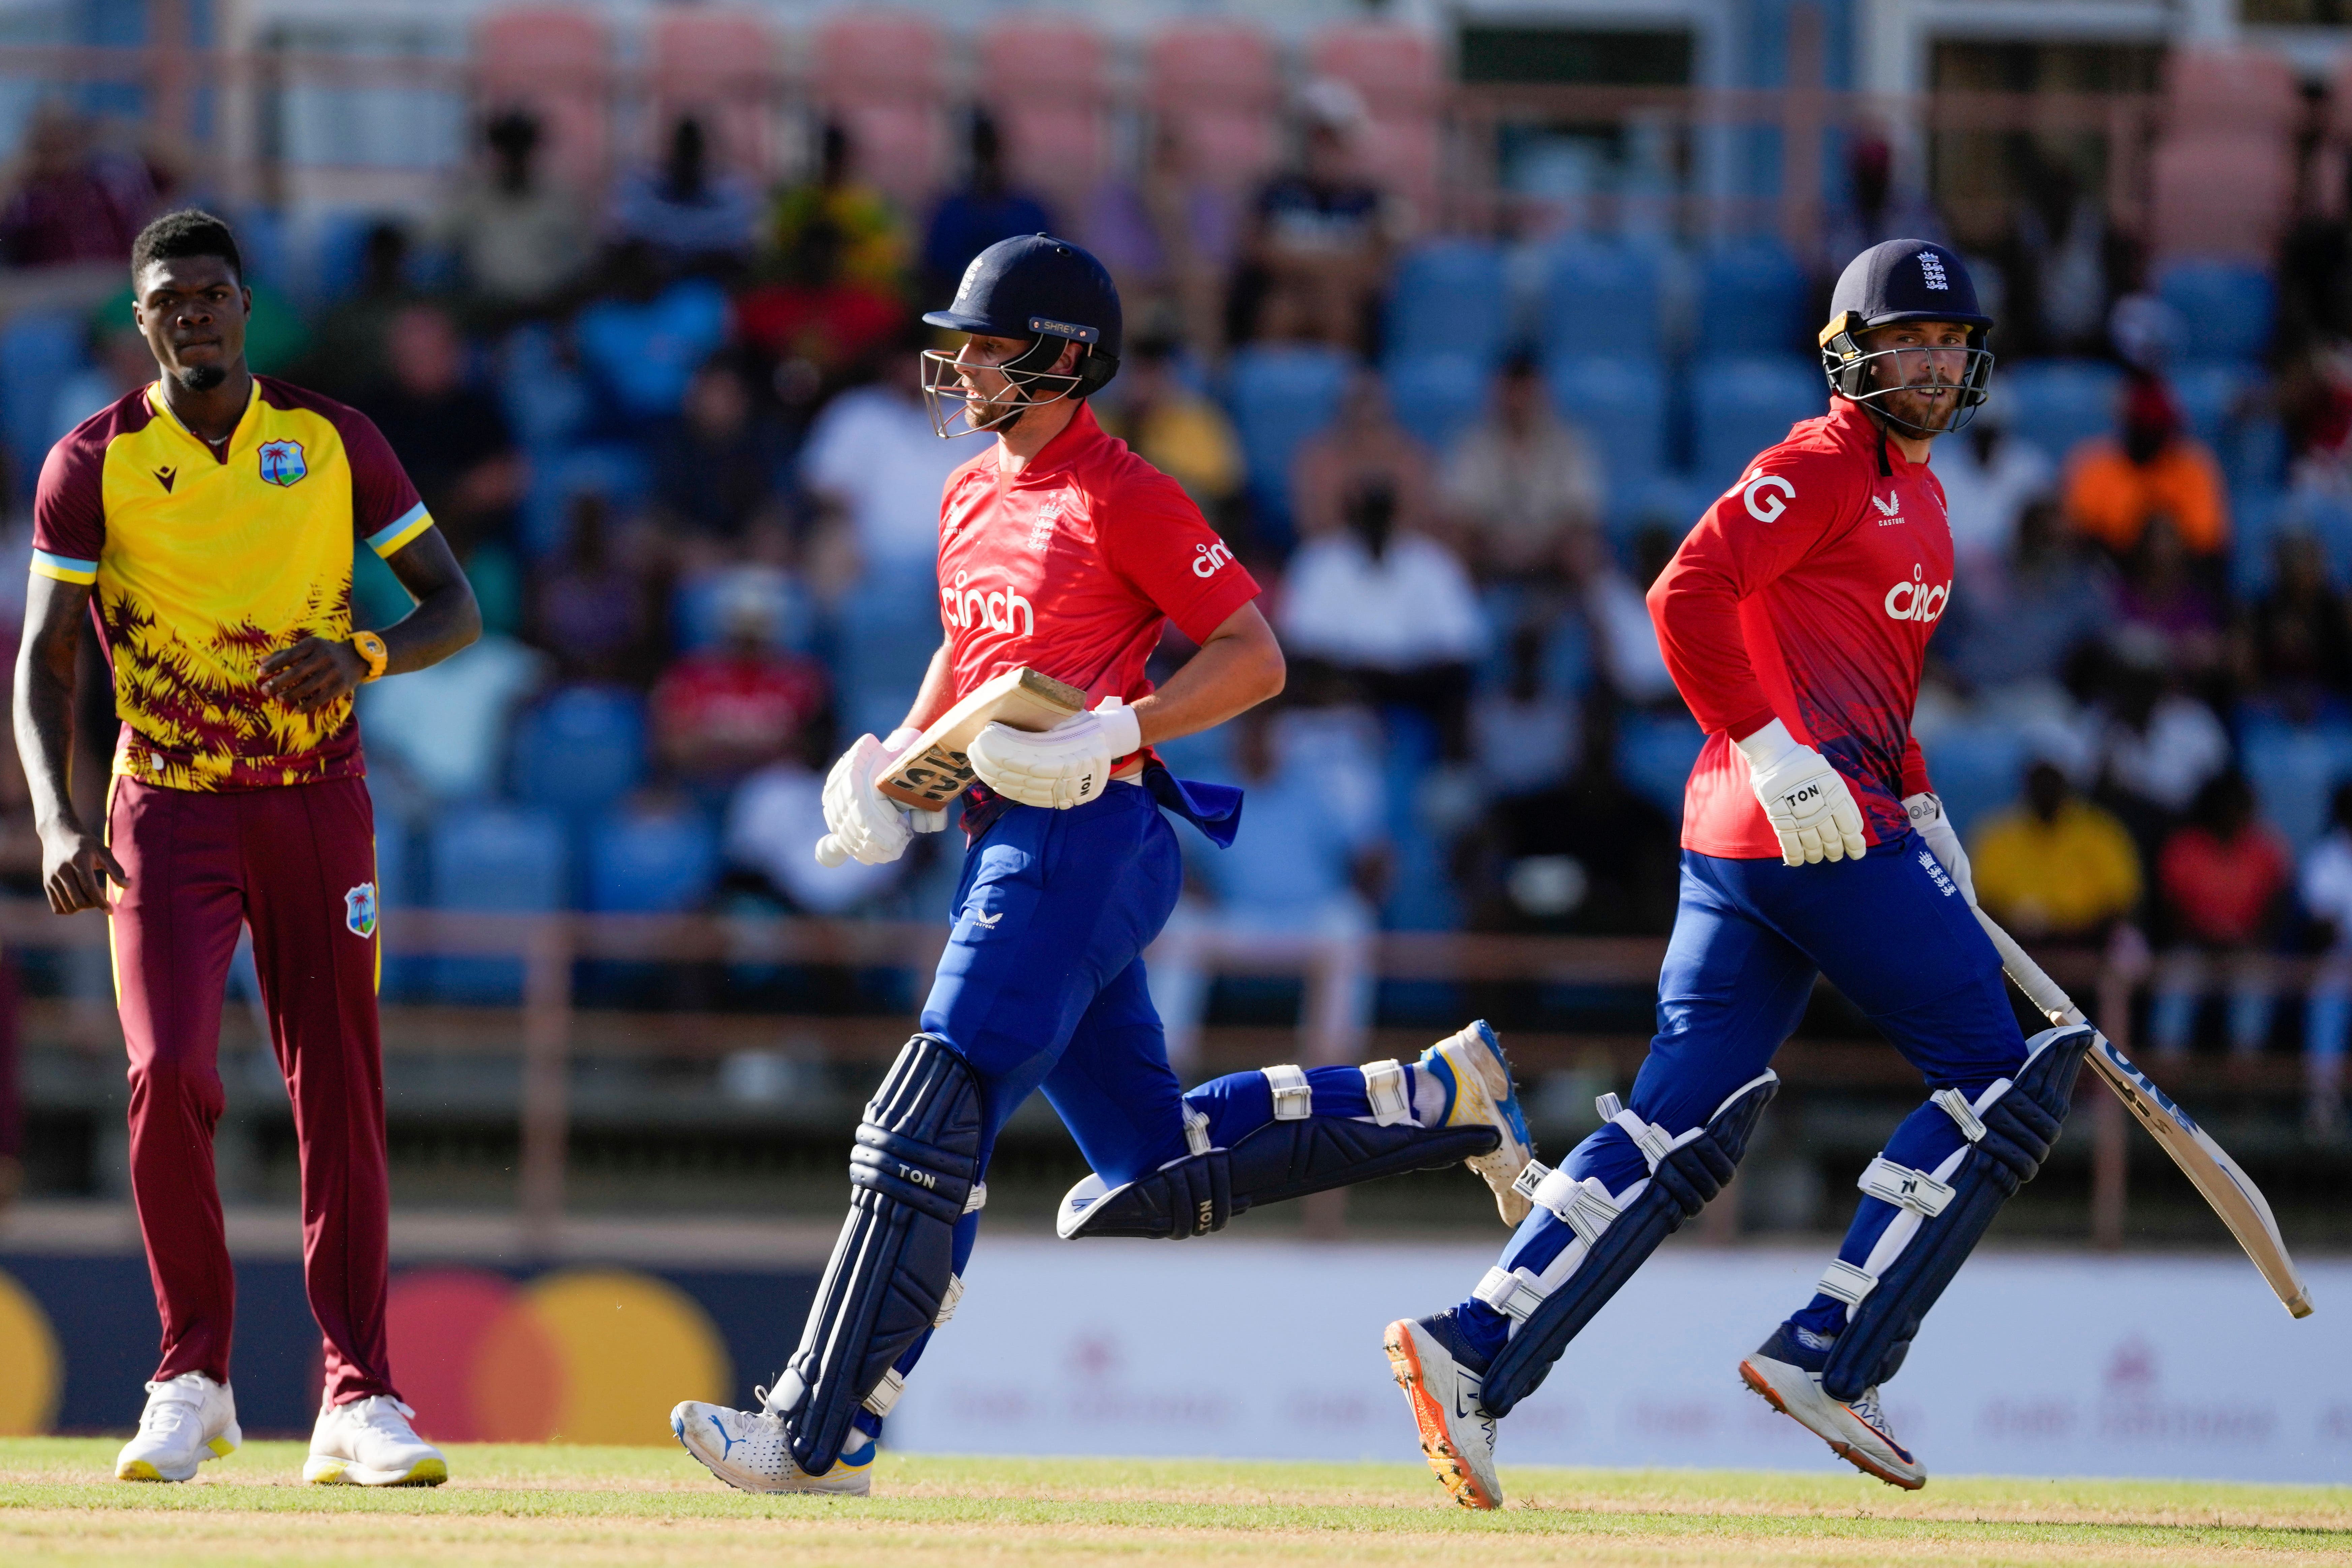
297, 865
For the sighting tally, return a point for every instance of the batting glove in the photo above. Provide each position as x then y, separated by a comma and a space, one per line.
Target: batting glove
1062, 767
1930, 822
860, 821
1812, 810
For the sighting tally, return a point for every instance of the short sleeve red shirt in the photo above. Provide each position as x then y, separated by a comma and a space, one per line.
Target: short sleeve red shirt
1073, 565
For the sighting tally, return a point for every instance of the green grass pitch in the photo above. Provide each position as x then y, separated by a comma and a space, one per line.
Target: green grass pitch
553, 1507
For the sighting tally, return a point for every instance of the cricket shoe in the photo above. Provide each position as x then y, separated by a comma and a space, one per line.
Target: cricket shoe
1856, 1430
188, 1419
1433, 1365
751, 1451
368, 1442
1484, 1097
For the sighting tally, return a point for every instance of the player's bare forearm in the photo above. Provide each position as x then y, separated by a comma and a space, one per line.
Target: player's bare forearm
1238, 668
75, 863
316, 671
936, 695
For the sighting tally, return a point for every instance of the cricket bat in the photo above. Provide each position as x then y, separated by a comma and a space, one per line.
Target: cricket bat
2229, 1190
933, 772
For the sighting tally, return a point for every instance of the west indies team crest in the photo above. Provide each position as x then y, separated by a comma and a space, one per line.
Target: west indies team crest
282, 463
359, 909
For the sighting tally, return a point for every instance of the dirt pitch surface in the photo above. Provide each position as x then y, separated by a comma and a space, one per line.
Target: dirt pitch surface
551, 1507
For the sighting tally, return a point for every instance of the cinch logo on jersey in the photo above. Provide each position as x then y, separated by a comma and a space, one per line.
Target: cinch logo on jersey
963, 607
1209, 558
1918, 600
1762, 505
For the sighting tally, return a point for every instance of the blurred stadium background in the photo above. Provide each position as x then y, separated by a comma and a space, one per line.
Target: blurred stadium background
1452, 316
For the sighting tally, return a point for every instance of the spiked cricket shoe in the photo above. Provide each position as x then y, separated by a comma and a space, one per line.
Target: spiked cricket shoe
368, 1442
1457, 1435
1856, 1430
188, 1419
751, 1451
1484, 1096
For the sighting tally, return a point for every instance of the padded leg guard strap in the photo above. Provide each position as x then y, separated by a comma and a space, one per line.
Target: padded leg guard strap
1685, 1171
1198, 1194
913, 1174
2009, 1129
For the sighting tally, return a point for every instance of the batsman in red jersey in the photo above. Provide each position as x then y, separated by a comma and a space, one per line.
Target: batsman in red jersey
1795, 620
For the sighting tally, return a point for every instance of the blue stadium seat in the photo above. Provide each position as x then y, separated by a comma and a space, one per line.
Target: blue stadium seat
546, 398
1741, 406
1438, 396
1602, 299
332, 253
2213, 396
1654, 754
580, 750
884, 632
2226, 306
39, 350
1282, 394
651, 862
1621, 404
2060, 402
1676, 501
1978, 771
1450, 296
1751, 301
500, 858
2295, 771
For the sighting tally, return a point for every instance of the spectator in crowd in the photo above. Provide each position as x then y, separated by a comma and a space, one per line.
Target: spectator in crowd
2224, 876
722, 712
986, 209
590, 607
1525, 736
1182, 433
643, 340
450, 434
1989, 476
718, 469
2114, 487
2053, 868
521, 242
2160, 594
874, 467
2060, 261
72, 203
2326, 889
695, 214
1318, 246
442, 733
817, 320
854, 224
1518, 482
119, 364
773, 819
2019, 626
1874, 210
1392, 609
1196, 221
2313, 392
1626, 640
2293, 646
2155, 747
1363, 449
347, 355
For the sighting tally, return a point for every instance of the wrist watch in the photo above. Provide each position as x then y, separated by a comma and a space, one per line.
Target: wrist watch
371, 648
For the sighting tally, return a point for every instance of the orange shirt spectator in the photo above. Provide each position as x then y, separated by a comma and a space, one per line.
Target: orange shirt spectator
2114, 487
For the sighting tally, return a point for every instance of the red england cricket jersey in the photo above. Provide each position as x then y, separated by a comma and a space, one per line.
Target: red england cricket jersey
1808, 593
1072, 565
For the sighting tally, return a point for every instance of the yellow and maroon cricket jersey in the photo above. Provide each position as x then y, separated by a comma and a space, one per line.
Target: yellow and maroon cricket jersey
204, 564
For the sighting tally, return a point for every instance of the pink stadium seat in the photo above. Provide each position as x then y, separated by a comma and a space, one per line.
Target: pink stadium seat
2245, 90
878, 74
1219, 86
1400, 75
1048, 87
557, 64
720, 66
2220, 194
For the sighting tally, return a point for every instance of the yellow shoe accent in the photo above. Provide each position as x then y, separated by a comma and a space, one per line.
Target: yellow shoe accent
221, 1446
136, 1470
1484, 1097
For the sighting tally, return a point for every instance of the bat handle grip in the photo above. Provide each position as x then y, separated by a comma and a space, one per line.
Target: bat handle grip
831, 852
2039, 988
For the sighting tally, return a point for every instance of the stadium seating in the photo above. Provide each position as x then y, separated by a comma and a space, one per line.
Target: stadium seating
876, 73
1654, 754
719, 65
2061, 403
1437, 396
1047, 85
581, 749
890, 624
1602, 299
651, 862
1396, 69
1978, 770
1741, 406
2250, 90
2295, 771
1751, 301
1450, 296
1621, 404
2213, 396
496, 859
1218, 84
556, 62
2220, 193
1280, 395
2226, 308
39, 350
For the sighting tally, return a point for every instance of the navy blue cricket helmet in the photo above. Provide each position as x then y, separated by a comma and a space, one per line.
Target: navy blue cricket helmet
1903, 280
1037, 287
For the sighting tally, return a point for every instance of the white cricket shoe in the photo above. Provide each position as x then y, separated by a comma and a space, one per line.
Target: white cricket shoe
1457, 1435
188, 1419
368, 1443
751, 1451
1857, 1432
1484, 1096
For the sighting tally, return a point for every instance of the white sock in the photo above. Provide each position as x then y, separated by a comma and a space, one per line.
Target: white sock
1427, 1096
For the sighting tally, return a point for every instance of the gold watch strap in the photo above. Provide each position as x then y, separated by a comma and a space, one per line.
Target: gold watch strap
372, 649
